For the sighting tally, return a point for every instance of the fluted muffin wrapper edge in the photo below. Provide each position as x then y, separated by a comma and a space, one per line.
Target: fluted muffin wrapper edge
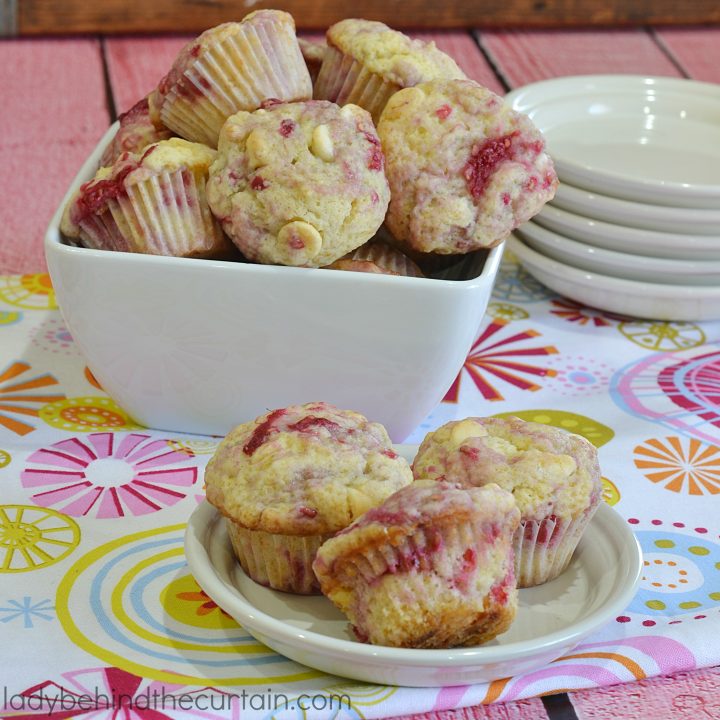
281, 562
255, 64
164, 214
450, 542
539, 561
344, 80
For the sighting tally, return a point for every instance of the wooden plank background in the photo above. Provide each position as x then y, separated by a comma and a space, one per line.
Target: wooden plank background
42, 17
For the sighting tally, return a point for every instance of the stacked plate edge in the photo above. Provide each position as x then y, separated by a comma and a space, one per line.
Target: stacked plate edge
635, 225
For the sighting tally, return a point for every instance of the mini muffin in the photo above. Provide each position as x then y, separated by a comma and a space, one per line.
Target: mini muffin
379, 257
135, 133
234, 66
153, 203
432, 567
464, 168
313, 54
294, 477
366, 62
299, 183
553, 475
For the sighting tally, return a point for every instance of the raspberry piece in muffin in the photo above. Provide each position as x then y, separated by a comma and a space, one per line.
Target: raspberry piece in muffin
291, 479
464, 168
553, 475
299, 183
432, 567
135, 133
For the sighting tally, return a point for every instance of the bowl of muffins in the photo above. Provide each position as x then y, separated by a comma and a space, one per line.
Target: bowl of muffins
484, 552
279, 221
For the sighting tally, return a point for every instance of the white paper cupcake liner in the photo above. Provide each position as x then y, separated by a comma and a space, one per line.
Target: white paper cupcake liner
344, 80
165, 214
387, 258
258, 62
101, 232
282, 562
537, 562
168, 214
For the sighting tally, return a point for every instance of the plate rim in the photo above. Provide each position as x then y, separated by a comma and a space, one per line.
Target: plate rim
627, 234
535, 95
585, 252
205, 517
576, 274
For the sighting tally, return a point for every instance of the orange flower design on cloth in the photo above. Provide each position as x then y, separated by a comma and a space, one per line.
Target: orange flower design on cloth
680, 465
206, 606
17, 397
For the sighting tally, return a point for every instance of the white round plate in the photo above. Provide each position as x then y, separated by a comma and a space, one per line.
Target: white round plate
650, 139
639, 215
552, 619
627, 297
629, 239
619, 264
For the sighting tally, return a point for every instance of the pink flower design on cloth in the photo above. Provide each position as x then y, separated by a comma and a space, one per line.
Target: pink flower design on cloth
109, 475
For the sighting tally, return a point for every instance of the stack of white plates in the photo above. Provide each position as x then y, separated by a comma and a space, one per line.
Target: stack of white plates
635, 225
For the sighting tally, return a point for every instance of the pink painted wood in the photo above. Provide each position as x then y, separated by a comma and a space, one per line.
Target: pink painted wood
696, 50
685, 696
464, 50
136, 65
530, 709
53, 114
525, 57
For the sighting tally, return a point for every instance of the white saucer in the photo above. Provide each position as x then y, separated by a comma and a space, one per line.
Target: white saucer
627, 297
651, 139
619, 264
629, 239
552, 619
639, 215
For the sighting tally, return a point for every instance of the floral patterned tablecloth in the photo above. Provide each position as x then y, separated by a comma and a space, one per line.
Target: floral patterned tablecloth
98, 610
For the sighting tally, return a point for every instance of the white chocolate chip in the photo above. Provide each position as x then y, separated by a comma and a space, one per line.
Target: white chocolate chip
466, 429
298, 242
257, 149
567, 464
322, 144
410, 95
350, 111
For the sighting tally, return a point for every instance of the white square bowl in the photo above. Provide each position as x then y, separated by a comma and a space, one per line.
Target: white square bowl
199, 346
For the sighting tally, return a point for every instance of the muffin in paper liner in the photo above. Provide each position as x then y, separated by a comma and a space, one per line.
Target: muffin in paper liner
432, 567
290, 479
300, 183
282, 562
232, 67
464, 168
168, 214
151, 203
366, 62
343, 80
544, 548
313, 54
378, 257
554, 476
